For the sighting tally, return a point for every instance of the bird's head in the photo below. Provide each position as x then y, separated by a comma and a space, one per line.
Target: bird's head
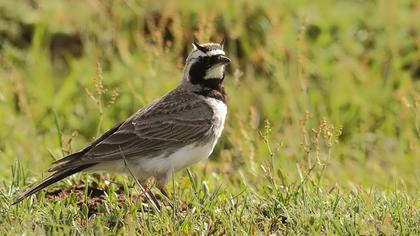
206, 62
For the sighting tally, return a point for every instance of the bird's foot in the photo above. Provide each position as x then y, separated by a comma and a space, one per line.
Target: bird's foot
152, 197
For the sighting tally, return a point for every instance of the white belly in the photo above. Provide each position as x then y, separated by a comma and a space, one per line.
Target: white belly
180, 159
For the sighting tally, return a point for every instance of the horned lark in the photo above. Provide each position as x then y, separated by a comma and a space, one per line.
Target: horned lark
169, 134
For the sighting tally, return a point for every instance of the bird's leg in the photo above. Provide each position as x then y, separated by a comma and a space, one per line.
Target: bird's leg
166, 197
152, 197
149, 195
160, 184
161, 181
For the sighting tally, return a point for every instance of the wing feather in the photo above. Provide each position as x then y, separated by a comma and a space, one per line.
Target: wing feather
161, 127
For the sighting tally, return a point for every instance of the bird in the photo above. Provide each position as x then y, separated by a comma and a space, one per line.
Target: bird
171, 133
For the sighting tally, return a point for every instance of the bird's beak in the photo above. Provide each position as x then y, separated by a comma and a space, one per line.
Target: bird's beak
223, 60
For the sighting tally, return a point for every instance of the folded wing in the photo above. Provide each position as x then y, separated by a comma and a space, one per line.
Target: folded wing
160, 128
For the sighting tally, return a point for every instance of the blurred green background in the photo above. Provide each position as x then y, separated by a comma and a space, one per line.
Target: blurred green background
328, 89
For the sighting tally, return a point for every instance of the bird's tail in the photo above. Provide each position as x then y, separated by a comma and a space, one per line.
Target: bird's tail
57, 176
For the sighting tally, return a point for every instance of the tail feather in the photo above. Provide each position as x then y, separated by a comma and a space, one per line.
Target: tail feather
82, 152
57, 176
67, 166
70, 157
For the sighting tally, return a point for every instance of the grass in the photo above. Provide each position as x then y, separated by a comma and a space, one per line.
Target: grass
323, 127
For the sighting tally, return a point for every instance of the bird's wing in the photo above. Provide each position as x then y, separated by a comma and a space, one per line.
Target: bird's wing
174, 121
